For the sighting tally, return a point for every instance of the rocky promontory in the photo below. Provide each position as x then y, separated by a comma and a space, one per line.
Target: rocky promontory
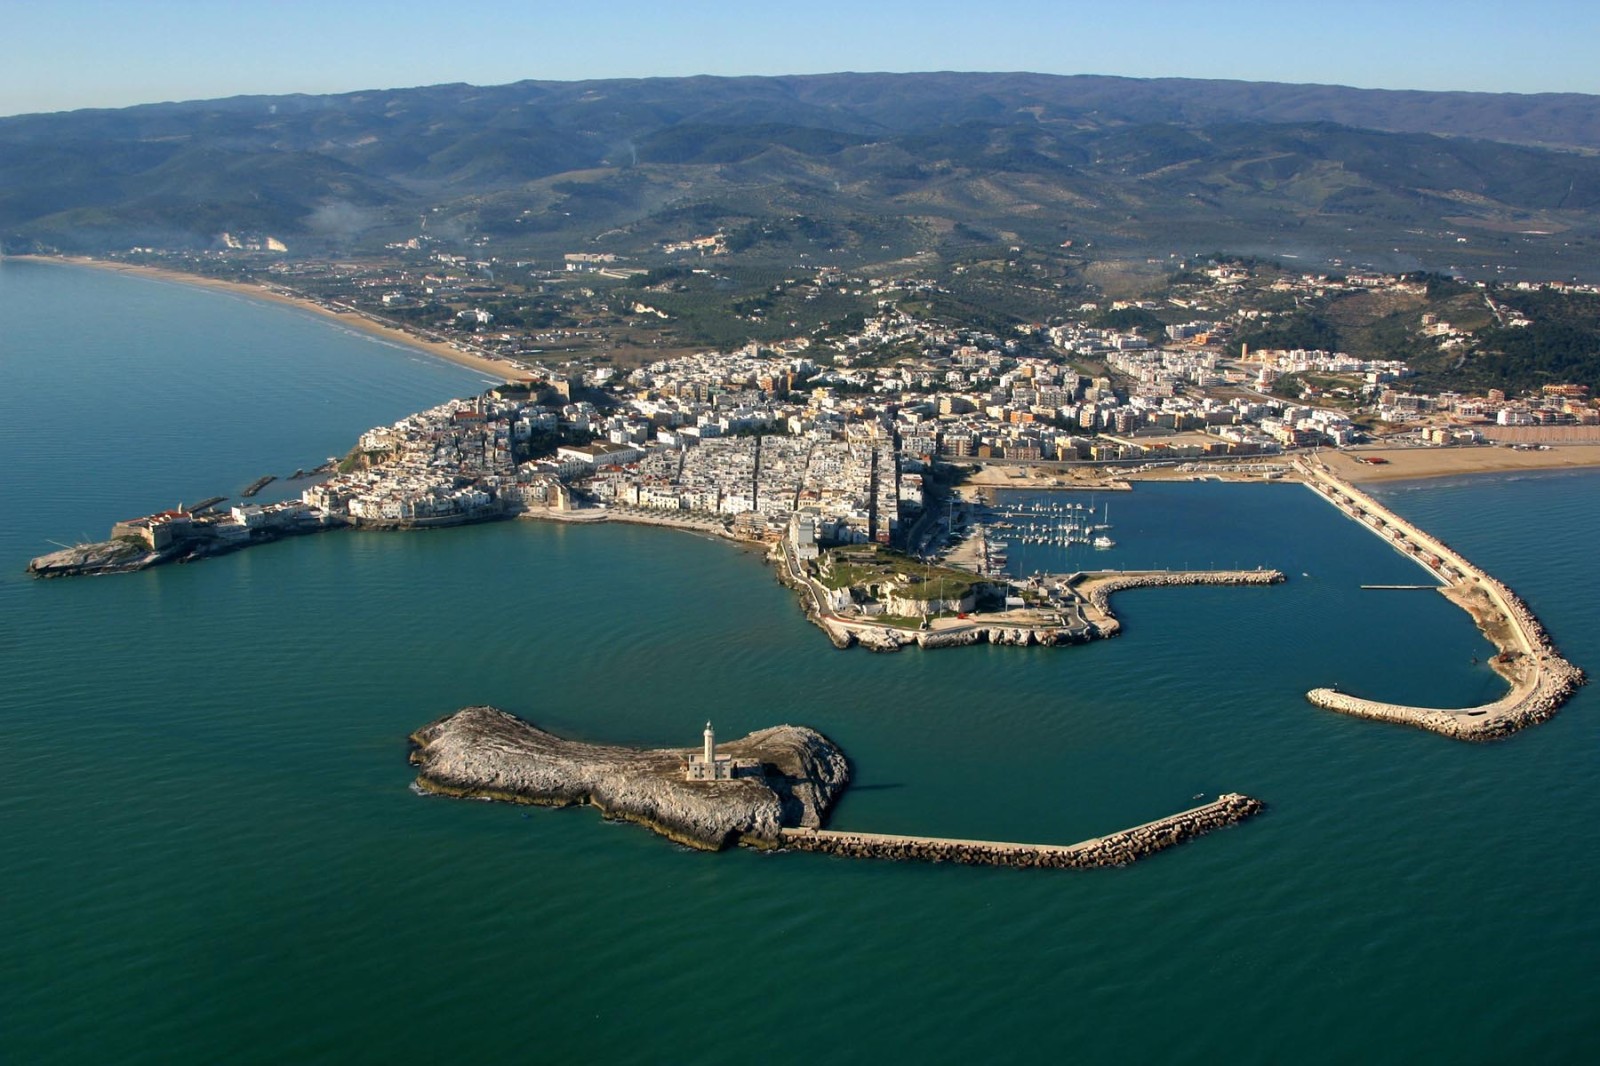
789, 777
100, 557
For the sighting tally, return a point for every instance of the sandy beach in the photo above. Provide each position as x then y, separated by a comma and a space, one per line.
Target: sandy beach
1404, 464
352, 319
1400, 464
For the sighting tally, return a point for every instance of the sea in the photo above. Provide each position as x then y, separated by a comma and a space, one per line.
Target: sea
211, 850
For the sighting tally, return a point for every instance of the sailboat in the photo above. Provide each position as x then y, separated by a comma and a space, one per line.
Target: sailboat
1103, 541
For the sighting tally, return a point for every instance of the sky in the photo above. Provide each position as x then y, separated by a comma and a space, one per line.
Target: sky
67, 54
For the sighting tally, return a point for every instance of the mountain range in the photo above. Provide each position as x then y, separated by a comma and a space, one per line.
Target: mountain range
865, 166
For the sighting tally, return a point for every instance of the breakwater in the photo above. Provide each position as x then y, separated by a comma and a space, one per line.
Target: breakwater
1487, 722
1097, 587
1115, 849
1541, 679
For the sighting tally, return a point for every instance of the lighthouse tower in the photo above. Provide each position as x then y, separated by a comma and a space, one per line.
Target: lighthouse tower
708, 765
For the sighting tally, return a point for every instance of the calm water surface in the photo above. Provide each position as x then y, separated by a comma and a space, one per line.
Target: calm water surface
211, 852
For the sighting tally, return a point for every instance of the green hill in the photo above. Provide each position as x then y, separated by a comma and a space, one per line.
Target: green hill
1476, 183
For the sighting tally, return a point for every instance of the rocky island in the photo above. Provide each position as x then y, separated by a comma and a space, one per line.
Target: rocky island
783, 777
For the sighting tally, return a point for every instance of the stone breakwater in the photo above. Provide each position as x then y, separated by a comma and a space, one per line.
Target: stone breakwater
485, 753
1541, 679
1488, 722
1117, 849
1098, 588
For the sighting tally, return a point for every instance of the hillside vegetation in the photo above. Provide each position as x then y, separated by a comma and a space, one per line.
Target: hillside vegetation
880, 166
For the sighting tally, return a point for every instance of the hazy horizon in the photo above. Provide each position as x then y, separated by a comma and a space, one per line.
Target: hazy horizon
79, 54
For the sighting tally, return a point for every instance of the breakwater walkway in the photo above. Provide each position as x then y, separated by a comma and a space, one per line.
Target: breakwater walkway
1116, 849
1541, 680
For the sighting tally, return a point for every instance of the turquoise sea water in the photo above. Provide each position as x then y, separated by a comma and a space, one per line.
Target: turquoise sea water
209, 850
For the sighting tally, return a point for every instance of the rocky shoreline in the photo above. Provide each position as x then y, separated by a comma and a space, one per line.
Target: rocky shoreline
99, 557
888, 638
487, 753
1095, 589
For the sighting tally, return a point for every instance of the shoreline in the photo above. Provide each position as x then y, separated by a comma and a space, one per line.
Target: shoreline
1427, 464
356, 320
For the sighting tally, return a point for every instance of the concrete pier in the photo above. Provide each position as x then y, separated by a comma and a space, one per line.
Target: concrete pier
1541, 680
1116, 849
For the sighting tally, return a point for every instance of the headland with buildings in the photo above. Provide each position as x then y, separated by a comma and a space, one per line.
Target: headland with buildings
843, 467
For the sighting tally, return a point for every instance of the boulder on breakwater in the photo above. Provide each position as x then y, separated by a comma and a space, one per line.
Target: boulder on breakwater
486, 753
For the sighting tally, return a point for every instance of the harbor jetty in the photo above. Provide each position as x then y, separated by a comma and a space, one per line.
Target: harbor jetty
770, 789
1116, 849
1541, 679
1096, 587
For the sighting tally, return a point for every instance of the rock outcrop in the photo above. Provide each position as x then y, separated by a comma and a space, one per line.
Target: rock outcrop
100, 557
485, 752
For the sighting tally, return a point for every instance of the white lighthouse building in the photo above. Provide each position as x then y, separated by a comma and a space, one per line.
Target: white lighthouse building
708, 765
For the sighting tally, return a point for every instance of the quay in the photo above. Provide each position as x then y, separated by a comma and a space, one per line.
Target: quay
1116, 849
1541, 680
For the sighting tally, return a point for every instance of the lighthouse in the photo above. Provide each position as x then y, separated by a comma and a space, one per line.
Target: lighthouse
707, 765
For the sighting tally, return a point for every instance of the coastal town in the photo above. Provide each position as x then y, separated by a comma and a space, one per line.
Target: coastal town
876, 483
848, 438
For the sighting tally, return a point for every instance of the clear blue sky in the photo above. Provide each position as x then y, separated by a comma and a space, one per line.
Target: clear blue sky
64, 54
